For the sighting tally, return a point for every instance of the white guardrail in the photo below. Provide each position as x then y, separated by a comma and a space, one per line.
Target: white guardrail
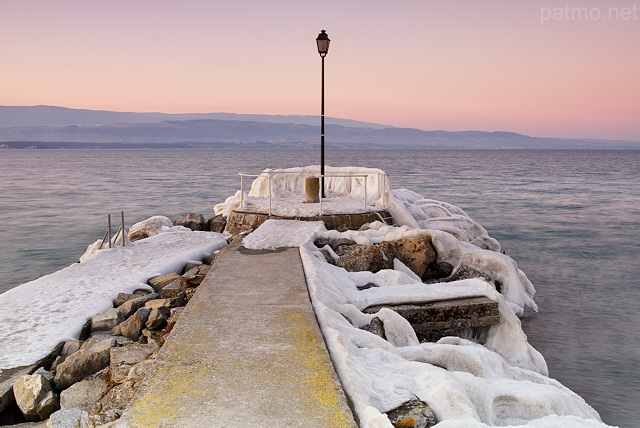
308, 174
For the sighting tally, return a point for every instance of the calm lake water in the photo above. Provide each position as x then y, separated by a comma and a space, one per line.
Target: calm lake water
571, 220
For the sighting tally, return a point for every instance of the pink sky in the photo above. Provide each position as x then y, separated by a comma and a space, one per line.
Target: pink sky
566, 68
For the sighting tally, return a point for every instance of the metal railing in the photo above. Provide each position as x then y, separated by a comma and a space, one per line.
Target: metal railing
308, 174
107, 234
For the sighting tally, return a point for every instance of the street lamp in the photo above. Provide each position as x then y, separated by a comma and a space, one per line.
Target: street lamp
323, 47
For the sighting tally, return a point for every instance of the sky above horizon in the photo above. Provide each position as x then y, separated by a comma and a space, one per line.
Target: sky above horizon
548, 68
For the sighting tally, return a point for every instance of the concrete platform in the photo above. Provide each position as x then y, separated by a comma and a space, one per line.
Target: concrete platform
243, 220
247, 351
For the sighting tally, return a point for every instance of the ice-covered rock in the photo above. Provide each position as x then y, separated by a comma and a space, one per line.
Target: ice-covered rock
193, 221
489, 377
416, 253
412, 414
412, 209
153, 226
355, 258
217, 224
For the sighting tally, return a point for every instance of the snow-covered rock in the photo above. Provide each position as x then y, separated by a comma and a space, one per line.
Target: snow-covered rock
153, 226
193, 221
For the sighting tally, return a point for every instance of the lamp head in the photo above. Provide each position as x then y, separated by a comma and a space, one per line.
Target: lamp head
323, 43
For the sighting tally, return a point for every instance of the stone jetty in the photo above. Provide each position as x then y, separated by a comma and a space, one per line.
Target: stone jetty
246, 351
128, 370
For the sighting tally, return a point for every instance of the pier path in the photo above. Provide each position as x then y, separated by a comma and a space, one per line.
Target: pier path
247, 351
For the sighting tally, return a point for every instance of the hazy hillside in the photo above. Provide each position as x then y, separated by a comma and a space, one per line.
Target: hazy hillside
186, 132
52, 116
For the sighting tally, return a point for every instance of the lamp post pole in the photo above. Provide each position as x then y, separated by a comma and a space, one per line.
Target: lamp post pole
322, 133
323, 47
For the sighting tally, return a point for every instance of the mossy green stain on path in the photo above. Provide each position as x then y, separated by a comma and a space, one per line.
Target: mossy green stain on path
318, 381
247, 347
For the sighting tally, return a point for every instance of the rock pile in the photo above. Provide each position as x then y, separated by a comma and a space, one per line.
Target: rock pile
90, 381
194, 221
418, 254
418, 257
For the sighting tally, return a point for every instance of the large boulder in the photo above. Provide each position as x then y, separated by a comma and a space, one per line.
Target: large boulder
73, 418
416, 253
357, 258
129, 307
85, 394
90, 359
195, 276
35, 397
124, 358
157, 282
436, 272
139, 371
334, 243
217, 224
122, 297
133, 326
68, 348
149, 227
167, 303
173, 289
158, 318
192, 221
106, 320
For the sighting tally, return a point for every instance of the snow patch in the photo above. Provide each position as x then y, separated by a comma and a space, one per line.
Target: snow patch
37, 315
274, 234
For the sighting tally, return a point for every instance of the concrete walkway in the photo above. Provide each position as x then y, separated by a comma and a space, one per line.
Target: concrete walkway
246, 352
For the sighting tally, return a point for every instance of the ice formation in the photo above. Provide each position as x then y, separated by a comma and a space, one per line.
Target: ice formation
494, 378
497, 379
345, 188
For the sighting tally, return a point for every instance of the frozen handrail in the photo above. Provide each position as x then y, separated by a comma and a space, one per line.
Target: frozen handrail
107, 234
307, 173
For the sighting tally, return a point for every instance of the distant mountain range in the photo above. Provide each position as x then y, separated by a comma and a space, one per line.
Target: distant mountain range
59, 127
11, 116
